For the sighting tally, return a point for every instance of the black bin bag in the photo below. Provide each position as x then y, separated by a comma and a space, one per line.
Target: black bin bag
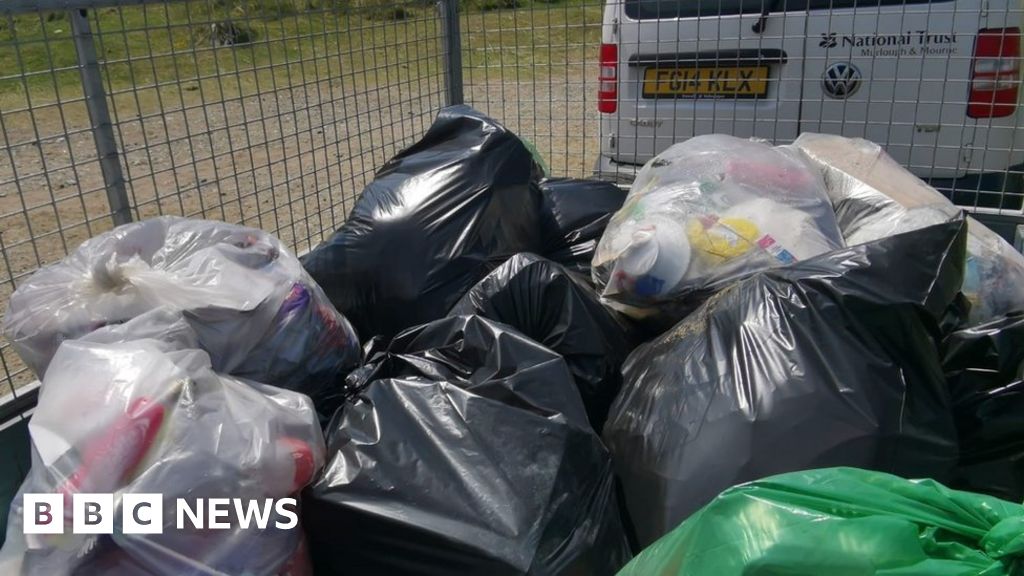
833, 361
436, 218
560, 310
985, 368
576, 214
464, 450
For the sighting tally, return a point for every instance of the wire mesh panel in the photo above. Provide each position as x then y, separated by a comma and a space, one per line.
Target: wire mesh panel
268, 113
604, 86
533, 65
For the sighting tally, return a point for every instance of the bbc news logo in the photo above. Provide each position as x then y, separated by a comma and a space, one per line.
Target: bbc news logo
144, 513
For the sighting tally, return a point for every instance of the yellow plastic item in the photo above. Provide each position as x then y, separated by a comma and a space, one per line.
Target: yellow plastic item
726, 239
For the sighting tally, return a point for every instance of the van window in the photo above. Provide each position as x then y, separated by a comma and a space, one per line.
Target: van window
655, 9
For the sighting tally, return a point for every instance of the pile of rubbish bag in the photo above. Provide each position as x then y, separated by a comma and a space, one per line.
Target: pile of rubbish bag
255, 311
795, 359
185, 358
874, 197
150, 416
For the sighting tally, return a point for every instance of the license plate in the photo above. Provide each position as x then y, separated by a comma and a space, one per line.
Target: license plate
706, 82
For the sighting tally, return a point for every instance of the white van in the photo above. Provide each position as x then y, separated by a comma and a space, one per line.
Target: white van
935, 82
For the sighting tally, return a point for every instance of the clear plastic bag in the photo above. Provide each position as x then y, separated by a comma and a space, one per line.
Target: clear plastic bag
144, 417
707, 212
255, 310
994, 280
875, 197
163, 324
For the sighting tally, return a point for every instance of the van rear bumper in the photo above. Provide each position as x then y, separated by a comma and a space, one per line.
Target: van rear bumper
619, 173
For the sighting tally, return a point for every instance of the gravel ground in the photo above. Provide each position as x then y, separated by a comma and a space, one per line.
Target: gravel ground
288, 161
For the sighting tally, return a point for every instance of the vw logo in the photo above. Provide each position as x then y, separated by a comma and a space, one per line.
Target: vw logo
841, 80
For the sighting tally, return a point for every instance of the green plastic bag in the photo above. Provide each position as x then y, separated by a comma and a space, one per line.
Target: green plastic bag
842, 522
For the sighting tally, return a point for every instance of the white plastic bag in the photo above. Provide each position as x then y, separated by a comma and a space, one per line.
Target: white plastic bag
144, 417
255, 310
875, 197
708, 211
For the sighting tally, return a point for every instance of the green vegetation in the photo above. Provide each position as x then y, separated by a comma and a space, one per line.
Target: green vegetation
488, 5
183, 52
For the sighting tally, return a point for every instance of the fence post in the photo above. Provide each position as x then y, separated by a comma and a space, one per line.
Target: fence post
449, 10
99, 115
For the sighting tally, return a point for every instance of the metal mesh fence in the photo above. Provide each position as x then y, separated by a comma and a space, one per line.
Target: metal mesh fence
934, 82
274, 113
534, 66
269, 113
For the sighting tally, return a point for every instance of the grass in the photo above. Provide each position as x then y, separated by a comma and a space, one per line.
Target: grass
167, 52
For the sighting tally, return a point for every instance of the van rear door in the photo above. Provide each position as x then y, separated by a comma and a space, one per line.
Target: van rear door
691, 67
896, 72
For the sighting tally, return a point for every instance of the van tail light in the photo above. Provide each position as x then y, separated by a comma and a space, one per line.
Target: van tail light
608, 80
995, 79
